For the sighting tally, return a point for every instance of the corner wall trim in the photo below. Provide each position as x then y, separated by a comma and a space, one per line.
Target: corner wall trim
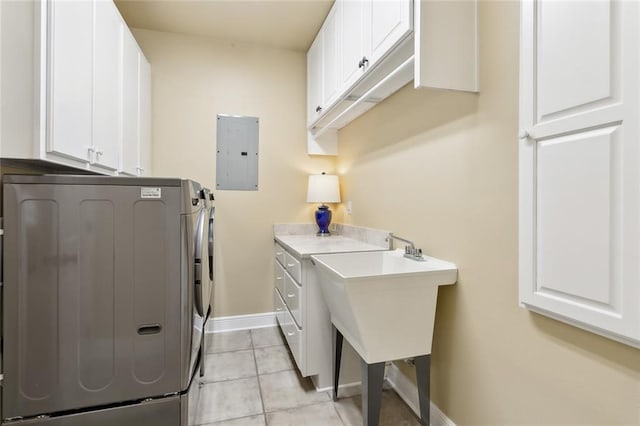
408, 391
241, 322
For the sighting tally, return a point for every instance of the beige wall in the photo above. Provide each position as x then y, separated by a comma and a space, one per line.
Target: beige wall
195, 78
440, 168
437, 167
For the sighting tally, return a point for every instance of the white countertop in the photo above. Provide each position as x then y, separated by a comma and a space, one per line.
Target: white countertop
305, 245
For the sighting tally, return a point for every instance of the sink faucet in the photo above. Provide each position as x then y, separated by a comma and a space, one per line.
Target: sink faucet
410, 250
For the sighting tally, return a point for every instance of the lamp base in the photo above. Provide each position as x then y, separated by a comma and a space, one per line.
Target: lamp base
323, 220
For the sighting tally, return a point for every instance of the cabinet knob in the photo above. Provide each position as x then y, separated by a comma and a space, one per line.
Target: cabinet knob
364, 61
318, 108
523, 134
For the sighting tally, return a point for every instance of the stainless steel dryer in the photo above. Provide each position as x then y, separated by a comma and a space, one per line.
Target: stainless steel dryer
106, 292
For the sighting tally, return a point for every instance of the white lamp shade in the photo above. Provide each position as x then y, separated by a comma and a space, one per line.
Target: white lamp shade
323, 189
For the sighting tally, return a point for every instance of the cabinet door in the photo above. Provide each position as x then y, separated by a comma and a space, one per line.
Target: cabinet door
390, 22
579, 164
353, 17
330, 57
314, 80
130, 105
144, 154
71, 79
107, 92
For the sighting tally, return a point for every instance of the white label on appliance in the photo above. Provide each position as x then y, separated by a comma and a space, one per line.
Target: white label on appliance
150, 192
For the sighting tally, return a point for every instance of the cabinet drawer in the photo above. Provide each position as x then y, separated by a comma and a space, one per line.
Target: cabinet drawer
279, 306
293, 266
292, 298
278, 281
294, 338
288, 326
279, 253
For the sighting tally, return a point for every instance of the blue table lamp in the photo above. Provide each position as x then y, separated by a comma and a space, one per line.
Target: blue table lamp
323, 189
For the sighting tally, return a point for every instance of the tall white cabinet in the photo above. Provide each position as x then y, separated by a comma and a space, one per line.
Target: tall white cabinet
580, 164
67, 87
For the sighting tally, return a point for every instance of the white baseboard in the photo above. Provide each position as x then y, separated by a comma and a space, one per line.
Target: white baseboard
345, 390
241, 322
408, 391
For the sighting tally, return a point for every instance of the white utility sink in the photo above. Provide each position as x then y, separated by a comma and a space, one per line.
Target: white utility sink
383, 303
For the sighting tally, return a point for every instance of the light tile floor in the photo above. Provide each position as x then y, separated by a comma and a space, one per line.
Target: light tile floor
251, 380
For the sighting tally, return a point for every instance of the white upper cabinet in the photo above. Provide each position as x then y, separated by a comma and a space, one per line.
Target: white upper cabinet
389, 22
580, 164
371, 48
67, 67
71, 72
107, 94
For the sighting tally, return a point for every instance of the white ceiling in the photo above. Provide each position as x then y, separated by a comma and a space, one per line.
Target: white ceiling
288, 24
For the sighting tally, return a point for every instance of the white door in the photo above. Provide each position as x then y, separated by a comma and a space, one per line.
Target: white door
579, 163
314, 80
107, 89
330, 57
130, 105
71, 79
353, 49
390, 22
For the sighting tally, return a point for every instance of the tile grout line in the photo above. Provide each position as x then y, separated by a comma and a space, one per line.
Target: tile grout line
255, 363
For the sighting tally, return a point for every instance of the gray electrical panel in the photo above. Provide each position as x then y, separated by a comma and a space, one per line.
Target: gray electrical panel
237, 153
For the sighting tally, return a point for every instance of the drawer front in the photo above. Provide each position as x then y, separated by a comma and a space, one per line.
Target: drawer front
278, 281
293, 266
292, 298
279, 253
280, 307
294, 339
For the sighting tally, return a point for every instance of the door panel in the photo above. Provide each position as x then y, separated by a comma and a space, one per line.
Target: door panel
578, 248
352, 38
579, 180
330, 57
390, 22
71, 70
314, 80
107, 97
130, 105
576, 66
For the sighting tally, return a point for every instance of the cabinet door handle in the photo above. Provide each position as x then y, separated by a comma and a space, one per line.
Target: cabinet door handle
318, 108
523, 134
291, 295
364, 61
290, 334
279, 278
278, 253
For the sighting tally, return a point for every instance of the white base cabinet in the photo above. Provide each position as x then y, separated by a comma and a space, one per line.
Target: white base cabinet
580, 164
63, 87
305, 321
